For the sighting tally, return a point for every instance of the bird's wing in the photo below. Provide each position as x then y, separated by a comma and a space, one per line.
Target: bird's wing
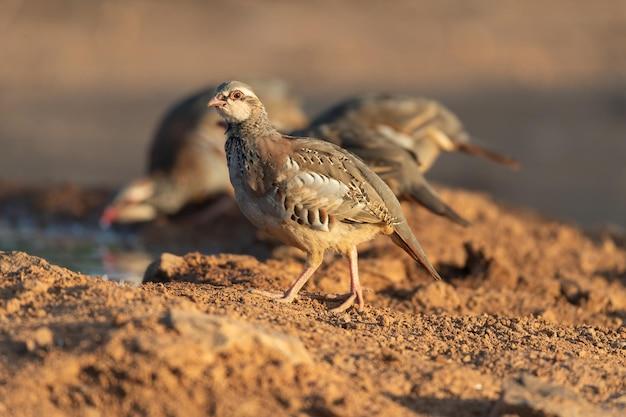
363, 197
325, 185
375, 121
385, 161
402, 235
370, 137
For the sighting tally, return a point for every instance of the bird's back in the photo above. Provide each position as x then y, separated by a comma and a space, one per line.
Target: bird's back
363, 121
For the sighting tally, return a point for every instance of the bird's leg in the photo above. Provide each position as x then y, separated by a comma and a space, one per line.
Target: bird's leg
356, 292
288, 296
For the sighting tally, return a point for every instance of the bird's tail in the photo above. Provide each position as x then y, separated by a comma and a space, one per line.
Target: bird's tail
425, 195
478, 150
404, 237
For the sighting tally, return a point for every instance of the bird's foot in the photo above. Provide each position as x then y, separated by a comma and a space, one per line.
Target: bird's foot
349, 302
277, 296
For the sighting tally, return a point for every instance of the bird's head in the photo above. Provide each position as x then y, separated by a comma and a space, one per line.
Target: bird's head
131, 205
236, 102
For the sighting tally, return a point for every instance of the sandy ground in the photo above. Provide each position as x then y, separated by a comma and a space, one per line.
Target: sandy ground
522, 296
526, 301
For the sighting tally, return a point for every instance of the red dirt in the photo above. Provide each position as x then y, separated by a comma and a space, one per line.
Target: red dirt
523, 295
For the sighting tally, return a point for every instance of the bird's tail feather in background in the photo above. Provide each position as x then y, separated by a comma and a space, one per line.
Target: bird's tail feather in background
423, 194
478, 150
404, 238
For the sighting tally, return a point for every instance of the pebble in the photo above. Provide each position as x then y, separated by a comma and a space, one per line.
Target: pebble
39, 339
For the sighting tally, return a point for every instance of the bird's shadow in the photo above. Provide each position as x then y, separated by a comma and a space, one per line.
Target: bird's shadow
445, 407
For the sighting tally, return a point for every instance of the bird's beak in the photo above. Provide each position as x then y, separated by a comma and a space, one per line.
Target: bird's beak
215, 102
108, 217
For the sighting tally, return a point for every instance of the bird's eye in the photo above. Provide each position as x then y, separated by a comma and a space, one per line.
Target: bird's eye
237, 95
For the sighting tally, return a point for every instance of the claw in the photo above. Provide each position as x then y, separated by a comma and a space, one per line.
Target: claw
345, 305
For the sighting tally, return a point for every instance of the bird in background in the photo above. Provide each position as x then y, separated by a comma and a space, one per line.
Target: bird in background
186, 160
307, 192
400, 137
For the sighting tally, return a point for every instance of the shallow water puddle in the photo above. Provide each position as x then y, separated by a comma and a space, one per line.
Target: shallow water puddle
89, 250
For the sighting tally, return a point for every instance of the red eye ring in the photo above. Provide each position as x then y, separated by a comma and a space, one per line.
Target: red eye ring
237, 95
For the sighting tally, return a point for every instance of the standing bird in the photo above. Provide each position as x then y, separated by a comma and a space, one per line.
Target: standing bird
400, 137
309, 193
186, 163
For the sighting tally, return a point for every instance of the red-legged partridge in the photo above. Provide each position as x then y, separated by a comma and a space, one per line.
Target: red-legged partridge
309, 193
400, 137
186, 158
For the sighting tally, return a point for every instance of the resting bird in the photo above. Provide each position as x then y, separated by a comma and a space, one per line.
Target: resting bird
186, 163
400, 137
308, 193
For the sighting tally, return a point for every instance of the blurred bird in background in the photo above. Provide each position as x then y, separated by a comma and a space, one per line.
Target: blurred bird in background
400, 138
186, 160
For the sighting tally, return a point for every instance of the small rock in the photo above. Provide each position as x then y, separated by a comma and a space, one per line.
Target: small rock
528, 396
549, 315
36, 285
42, 338
163, 269
218, 334
13, 305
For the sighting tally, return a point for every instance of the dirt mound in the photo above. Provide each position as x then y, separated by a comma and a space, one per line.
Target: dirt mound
186, 363
76, 345
522, 296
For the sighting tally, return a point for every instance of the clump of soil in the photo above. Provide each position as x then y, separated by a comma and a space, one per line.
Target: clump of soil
523, 296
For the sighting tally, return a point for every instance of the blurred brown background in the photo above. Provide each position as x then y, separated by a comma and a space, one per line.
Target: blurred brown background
82, 84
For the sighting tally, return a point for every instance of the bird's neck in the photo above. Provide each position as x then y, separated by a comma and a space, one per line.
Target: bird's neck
257, 125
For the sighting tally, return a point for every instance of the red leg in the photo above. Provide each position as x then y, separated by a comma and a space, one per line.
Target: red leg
291, 293
355, 285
